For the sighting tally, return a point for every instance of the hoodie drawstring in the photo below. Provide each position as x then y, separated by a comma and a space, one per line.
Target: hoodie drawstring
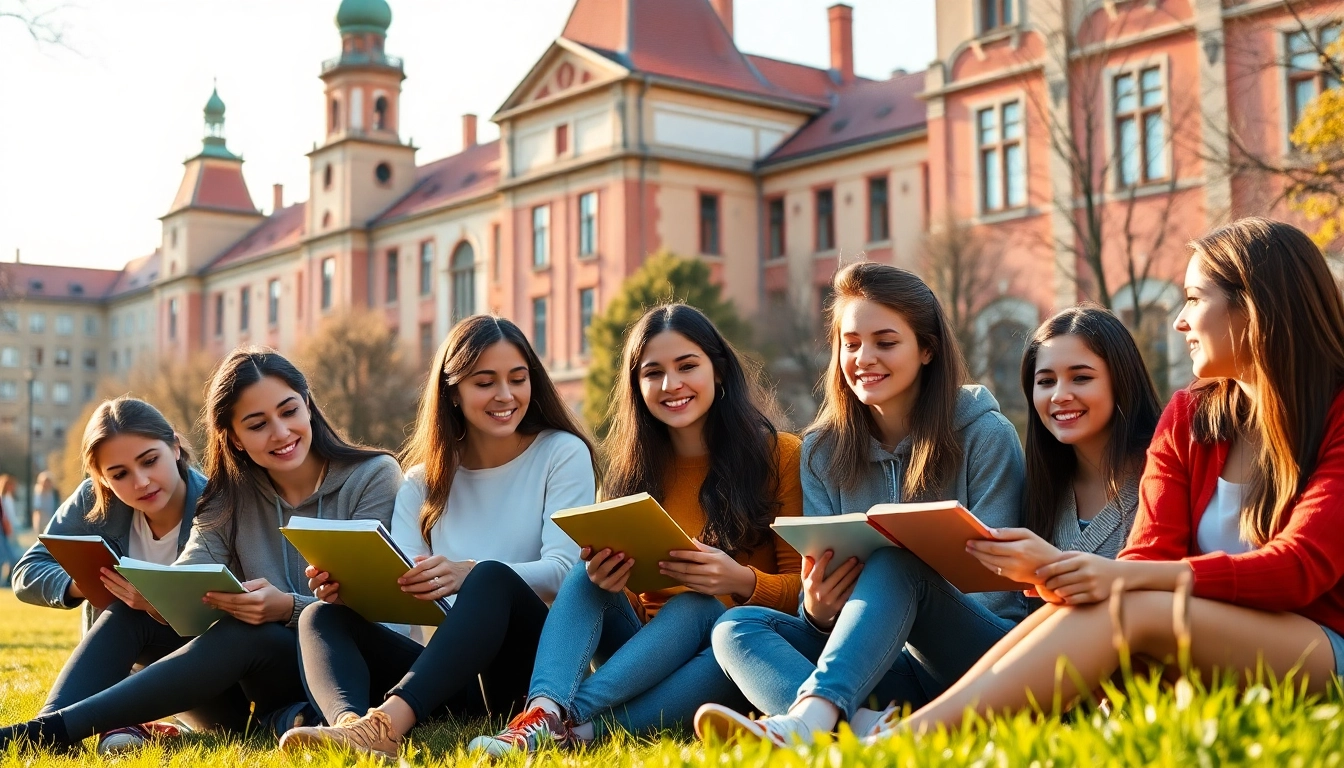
284, 543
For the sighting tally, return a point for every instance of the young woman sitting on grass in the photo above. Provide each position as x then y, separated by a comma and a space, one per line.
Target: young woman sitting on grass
140, 497
270, 456
896, 425
689, 427
1243, 493
495, 453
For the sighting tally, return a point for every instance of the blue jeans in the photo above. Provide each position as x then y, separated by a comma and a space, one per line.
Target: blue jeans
905, 635
651, 676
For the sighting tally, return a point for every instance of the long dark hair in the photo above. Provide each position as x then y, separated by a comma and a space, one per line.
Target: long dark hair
227, 469
440, 429
1295, 337
739, 493
846, 426
124, 416
1051, 464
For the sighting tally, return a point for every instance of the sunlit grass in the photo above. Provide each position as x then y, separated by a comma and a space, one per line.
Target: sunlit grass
1151, 723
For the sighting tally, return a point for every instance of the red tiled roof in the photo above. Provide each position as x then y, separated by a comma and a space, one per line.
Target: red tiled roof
47, 281
457, 177
812, 82
138, 274
281, 230
863, 112
679, 39
221, 187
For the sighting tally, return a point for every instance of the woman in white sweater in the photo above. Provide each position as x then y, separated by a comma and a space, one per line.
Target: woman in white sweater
495, 453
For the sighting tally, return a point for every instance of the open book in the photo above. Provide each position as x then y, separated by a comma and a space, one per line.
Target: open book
936, 532
636, 525
361, 556
175, 591
84, 558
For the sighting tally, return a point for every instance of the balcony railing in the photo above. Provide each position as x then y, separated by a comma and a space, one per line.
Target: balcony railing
362, 58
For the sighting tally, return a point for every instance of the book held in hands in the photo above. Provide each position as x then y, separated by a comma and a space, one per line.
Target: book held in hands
84, 558
636, 525
176, 591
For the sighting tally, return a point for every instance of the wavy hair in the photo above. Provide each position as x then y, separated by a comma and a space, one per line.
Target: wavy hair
124, 416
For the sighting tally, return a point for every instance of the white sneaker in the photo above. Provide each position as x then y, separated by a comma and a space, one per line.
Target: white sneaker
715, 722
884, 725
131, 737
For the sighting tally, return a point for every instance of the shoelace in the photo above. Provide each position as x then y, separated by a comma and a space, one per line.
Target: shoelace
777, 731
520, 730
371, 729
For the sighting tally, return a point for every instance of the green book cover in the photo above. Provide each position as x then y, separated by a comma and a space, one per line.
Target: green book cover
175, 591
362, 558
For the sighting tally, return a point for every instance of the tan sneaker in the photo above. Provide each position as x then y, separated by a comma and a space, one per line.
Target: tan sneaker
371, 734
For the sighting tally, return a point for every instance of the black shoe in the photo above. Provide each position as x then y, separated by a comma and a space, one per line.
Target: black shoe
40, 733
295, 715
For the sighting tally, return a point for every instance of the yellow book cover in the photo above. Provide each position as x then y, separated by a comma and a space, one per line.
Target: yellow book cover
363, 559
636, 525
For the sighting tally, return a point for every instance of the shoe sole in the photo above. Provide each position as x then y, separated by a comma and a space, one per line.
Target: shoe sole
722, 725
295, 741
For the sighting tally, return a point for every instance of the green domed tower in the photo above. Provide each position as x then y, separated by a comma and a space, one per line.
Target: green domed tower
356, 16
213, 144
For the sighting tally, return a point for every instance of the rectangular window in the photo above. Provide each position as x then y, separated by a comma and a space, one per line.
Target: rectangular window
1003, 168
38, 357
879, 214
541, 236
1306, 76
88, 392
588, 224
61, 358
426, 342
825, 219
775, 236
172, 318
9, 357
244, 308
65, 325
539, 326
219, 315
1140, 132
90, 359
561, 140
709, 224
995, 14
114, 360
9, 390
426, 268
392, 259
585, 318
9, 321
39, 426
90, 325
496, 242
37, 323
39, 391
58, 428
60, 393
273, 301
328, 281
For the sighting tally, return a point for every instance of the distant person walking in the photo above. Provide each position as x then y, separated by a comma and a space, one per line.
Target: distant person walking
45, 501
8, 517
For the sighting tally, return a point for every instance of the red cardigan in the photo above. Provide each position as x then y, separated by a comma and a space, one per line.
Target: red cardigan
1299, 570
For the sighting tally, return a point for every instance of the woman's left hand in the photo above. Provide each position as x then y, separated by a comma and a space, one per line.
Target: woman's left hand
709, 571
261, 603
435, 577
124, 590
1015, 553
1080, 578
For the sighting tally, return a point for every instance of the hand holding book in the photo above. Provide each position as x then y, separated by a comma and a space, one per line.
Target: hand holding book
824, 595
709, 571
435, 577
261, 603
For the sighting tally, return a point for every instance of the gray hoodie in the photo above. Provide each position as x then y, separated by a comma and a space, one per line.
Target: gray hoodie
362, 489
989, 483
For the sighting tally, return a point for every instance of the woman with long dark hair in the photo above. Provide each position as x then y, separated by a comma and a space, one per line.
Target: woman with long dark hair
1242, 499
270, 456
690, 428
495, 453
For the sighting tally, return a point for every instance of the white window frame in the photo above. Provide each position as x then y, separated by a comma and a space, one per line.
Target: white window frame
1281, 32
1136, 68
978, 182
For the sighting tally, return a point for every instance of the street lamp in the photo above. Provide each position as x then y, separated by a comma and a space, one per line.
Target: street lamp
28, 377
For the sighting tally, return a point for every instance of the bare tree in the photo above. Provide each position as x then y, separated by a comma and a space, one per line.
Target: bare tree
792, 345
963, 269
42, 21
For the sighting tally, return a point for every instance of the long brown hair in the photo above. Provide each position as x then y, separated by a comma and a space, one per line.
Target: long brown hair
124, 416
1295, 338
738, 495
846, 426
440, 429
1051, 465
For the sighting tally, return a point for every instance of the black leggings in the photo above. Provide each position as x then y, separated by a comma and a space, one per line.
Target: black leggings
120, 639
491, 632
260, 658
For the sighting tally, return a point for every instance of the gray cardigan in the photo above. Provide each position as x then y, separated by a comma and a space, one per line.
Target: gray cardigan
989, 482
1107, 532
253, 547
40, 580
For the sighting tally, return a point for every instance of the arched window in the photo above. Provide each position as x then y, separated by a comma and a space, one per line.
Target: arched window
1006, 339
334, 122
463, 266
380, 113
1148, 312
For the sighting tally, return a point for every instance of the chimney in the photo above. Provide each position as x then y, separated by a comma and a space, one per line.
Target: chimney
468, 132
279, 202
842, 41
725, 10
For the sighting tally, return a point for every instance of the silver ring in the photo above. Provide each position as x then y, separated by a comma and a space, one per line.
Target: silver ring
1000, 570
435, 580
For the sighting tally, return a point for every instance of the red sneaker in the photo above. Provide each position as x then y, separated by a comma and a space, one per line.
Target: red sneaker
132, 736
527, 733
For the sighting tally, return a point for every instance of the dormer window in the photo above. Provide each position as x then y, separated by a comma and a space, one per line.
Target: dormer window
76, 289
35, 285
995, 14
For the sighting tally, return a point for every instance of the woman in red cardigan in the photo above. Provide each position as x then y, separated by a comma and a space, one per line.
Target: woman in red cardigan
1243, 492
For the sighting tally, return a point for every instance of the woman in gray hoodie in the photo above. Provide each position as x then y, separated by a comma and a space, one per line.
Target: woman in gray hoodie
271, 456
897, 425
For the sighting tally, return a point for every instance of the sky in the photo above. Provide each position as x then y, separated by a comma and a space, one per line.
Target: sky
93, 134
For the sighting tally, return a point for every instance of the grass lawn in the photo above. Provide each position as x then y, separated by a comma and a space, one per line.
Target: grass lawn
1190, 728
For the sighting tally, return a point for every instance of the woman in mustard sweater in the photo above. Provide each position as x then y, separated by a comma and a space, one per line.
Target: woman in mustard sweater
690, 428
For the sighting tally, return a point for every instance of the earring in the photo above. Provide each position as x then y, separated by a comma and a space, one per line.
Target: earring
721, 389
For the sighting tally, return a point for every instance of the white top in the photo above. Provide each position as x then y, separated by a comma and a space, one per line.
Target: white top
145, 547
1220, 527
504, 513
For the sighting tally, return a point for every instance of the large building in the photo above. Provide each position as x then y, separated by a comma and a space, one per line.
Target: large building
643, 128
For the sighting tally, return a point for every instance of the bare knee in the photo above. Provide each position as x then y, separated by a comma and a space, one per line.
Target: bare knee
1147, 618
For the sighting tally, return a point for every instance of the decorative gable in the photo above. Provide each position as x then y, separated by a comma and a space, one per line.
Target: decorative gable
565, 74
565, 68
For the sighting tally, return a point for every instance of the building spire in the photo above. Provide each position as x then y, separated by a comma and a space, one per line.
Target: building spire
213, 143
